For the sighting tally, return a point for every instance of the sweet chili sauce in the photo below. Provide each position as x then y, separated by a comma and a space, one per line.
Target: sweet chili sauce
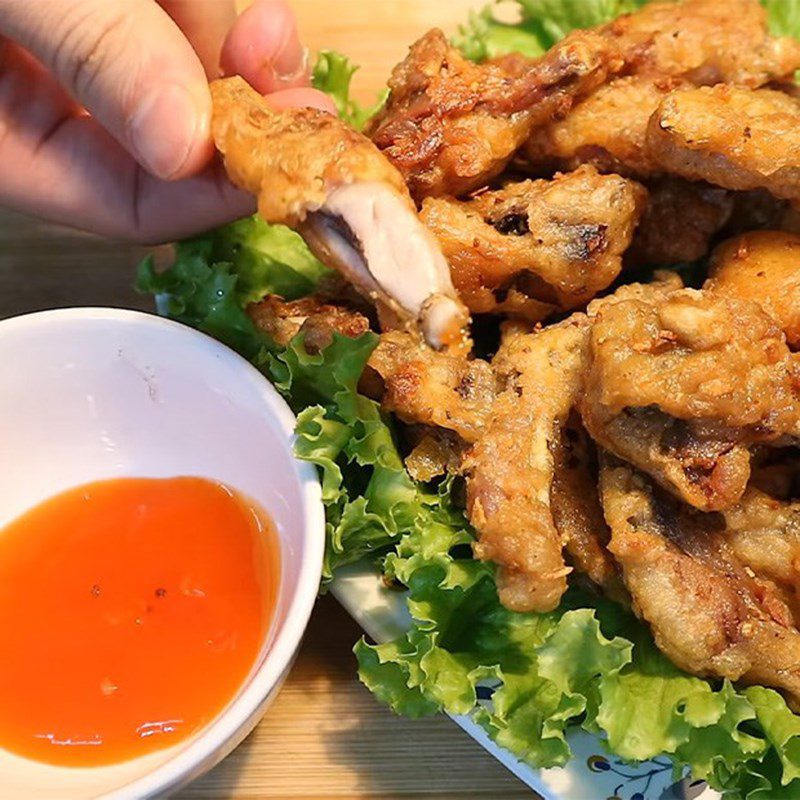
131, 611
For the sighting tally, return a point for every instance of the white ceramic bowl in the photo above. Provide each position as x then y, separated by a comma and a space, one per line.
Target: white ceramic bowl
87, 394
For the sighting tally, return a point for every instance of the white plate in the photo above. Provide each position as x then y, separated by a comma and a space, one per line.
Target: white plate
591, 773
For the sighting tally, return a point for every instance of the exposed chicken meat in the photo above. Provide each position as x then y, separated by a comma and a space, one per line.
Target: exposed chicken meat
681, 383
312, 172
731, 137
536, 247
510, 468
709, 614
763, 266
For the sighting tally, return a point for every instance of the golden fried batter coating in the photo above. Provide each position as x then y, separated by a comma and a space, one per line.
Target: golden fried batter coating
607, 130
763, 532
312, 316
704, 42
441, 389
763, 266
680, 383
731, 137
537, 246
679, 223
510, 468
450, 125
436, 452
312, 172
291, 159
577, 513
709, 614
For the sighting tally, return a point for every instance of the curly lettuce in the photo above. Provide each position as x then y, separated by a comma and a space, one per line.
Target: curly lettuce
540, 24
589, 663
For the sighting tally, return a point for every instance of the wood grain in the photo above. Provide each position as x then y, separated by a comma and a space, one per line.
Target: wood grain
325, 736
376, 34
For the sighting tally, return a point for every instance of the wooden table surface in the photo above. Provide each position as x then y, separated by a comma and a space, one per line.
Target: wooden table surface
325, 736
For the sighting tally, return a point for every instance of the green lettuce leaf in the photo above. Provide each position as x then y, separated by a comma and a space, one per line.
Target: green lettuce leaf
784, 17
333, 74
541, 23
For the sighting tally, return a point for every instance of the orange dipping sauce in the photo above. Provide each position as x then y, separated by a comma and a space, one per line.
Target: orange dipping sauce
131, 611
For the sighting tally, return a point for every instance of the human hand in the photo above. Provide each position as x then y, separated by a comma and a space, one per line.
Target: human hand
105, 109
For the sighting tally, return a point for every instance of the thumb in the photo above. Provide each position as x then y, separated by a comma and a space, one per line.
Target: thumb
131, 67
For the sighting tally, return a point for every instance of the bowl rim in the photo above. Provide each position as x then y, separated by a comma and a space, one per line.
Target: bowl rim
225, 731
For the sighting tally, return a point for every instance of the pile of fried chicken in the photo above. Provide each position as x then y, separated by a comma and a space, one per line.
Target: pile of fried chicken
640, 436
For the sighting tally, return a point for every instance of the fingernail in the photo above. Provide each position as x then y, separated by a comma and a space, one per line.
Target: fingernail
290, 60
163, 129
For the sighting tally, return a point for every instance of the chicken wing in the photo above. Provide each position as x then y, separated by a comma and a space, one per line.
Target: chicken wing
708, 613
763, 266
535, 247
732, 137
510, 468
681, 383
311, 172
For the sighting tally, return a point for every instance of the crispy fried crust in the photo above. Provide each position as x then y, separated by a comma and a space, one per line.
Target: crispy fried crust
312, 316
535, 247
680, 383
608, 130
290, 159
709, 614
679, 223
576, 509
510, 469
763, 266
763, 532
704, 42
450, 125
731, 137
423, 386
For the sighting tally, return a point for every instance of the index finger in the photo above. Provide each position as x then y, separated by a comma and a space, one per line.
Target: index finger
205, 23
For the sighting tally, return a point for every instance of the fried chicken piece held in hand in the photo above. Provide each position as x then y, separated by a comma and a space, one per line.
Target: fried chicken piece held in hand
313, 173
536, 247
